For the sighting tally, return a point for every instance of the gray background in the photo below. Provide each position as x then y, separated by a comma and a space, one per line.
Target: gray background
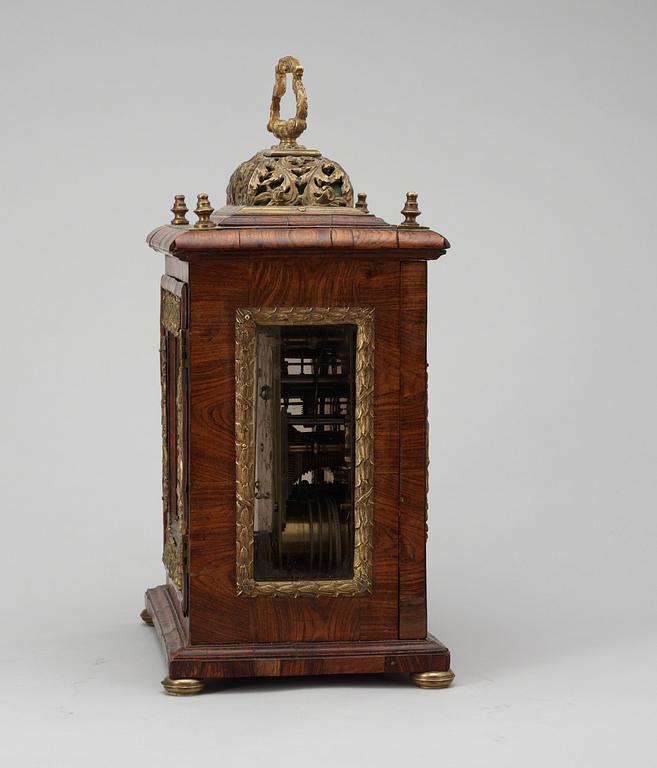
528, 130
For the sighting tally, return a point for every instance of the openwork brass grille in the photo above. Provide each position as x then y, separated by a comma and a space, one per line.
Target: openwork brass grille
271, 181
246, 323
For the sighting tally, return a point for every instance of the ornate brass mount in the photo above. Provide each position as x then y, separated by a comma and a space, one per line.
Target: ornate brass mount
410, 212
246, 320
288, 131
179, 210
288, 174
174, 553
204, 210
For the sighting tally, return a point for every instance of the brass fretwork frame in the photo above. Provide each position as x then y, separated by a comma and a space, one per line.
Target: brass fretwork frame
176, 524
246, 321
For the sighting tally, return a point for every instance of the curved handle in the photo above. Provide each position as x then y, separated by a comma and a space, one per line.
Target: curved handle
287, 131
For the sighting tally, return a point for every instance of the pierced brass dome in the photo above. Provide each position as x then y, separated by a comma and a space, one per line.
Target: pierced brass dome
289, 175
290, 180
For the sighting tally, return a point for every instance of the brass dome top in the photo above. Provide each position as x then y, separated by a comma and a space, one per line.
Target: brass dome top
288, 174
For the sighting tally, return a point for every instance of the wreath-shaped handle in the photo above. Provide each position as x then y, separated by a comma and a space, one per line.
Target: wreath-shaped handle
287, 131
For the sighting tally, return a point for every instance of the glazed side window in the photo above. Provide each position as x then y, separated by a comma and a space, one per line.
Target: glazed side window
303, 519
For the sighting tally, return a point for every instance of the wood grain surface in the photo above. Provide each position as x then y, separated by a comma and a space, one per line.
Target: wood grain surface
217, 614
413, 451
286, 659
297, 238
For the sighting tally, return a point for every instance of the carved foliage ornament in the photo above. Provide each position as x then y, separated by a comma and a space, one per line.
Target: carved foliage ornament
245, 353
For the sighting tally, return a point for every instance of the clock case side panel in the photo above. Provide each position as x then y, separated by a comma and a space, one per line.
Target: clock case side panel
175, 433
217, 291
413, 451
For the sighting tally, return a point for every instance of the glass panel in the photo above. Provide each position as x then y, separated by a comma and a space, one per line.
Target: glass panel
304, 452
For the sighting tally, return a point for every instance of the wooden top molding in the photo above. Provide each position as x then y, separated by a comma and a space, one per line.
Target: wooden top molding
297, 234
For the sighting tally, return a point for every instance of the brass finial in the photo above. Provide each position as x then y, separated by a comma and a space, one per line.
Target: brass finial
179, 210
204, 210
410, 211
361, 203
288, 131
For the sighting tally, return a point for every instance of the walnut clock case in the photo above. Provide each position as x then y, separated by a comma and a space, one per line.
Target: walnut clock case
294, 427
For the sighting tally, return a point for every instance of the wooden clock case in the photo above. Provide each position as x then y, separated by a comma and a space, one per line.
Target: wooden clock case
213, 619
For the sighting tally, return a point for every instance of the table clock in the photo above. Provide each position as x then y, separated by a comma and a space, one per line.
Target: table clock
294, 426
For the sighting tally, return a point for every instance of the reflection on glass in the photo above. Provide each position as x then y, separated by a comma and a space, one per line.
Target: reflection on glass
304, 487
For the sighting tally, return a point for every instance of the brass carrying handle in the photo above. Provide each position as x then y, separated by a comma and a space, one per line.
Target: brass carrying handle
287, 131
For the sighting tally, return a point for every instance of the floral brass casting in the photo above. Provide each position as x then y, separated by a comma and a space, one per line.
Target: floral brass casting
245, 353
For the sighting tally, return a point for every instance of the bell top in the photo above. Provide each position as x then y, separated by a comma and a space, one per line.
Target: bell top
289, 200
288, 174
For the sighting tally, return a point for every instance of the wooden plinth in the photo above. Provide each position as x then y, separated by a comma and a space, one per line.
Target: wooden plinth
212, 662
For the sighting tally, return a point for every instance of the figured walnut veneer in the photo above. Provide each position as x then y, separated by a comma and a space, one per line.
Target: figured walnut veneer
208, 629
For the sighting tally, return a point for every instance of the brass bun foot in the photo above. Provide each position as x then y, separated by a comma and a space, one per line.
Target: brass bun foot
182, 686
433, 679
146, 617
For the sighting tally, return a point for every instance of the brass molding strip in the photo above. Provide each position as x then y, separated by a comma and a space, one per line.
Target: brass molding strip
246, 321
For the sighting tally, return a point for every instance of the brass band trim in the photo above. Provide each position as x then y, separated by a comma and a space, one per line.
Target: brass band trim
290, 210
246, 321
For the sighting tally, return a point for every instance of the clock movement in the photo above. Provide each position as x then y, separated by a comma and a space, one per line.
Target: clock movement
294, 426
